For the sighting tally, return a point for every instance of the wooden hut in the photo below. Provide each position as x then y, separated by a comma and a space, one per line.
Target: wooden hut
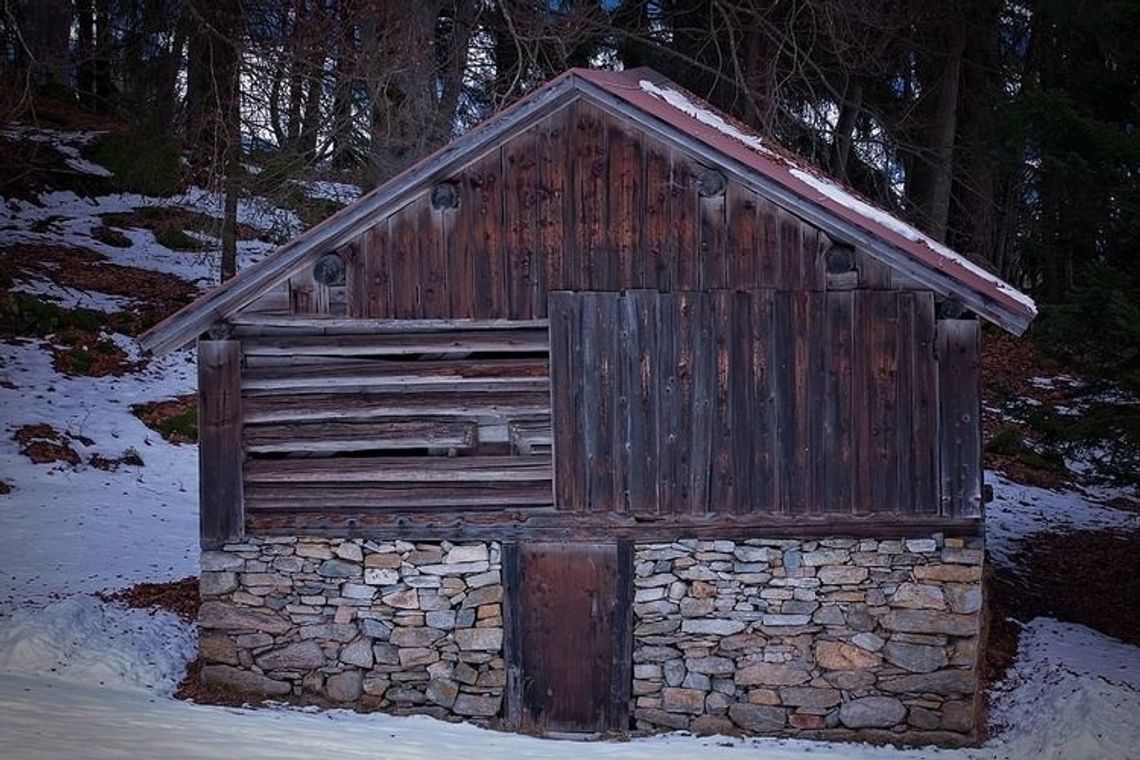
609, 415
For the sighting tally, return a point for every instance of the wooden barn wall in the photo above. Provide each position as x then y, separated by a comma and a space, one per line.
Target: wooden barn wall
343, 425
763, 402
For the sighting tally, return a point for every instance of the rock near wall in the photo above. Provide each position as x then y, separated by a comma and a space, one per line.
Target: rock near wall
830, 638
385, 625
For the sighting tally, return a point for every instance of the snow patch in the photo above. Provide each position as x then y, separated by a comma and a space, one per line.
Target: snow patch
705, 116
72, 298
338, 192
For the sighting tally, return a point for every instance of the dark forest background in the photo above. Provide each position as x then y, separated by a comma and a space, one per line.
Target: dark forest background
1005, 129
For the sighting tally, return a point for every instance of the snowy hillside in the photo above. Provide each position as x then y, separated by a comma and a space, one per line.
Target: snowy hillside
112, 503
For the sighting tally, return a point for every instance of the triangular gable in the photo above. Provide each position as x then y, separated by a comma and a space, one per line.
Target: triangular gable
668, 113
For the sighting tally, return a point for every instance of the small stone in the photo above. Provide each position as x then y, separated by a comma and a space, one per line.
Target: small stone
920, 545
806, 722
479, 580
841, 575
409, 599
918, 596
382, 562
770, 674
404, 636
350, 551
218, 648
385, 654
343, 632
944, 682
683, 700
718, 627
482, 639
302, 655
243, 681
358, 653
674, 672
757, 718
442, 692
313, 551
930, 621
872, 712
712, 725
344, 687
716, 666
381, 576
357, 591
376, 629
458, 568
914, 657
462, 554
922, 718
485, 595
230, 617
696, 681
958, 716
850, 680
829, 614
217, 583
702, 590
786, 620
839, 655
826, 557
441, 619
948, 573
465, 674
417, 656
313, 683
963, 598
477, 706
694, 607
868, 641
212, 561
754, 554
335, 568
658, 717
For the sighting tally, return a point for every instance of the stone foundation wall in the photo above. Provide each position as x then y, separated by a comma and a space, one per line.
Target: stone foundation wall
384, 625
831, 638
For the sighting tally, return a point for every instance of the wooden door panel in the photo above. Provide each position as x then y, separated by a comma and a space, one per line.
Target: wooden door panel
569, 624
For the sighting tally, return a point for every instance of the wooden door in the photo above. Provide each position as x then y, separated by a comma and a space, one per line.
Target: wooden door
569, 636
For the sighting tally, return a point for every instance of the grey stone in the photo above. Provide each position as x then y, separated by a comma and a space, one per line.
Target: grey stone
850, 680
841, 575
313, 551
920, 545
654, 654
217, 583
958, 716
458, 568
385, 654
770, 674
676, 699
872, 712
786, 620
243, 681
217, 561
674, 672
350, 551
229, 617
718, 627
381, 576
480, 580
377, 629
462, 554
485, 595
302, 655
358, 653
918, 596
915, 657
404, 636
219, 648
442, 692
754, 554
930, 621
829, 614
695, 607
342, 632
944, 682
758, 718
696, 681
423, 581
711, 725
411, 657
335, 568
963, 598
659, 717
442, 619
868, 641
288, 565
826, 557
481, 639
345, 687
477, 706
922, 718
357, 591
408, 599
716, 666
793, 558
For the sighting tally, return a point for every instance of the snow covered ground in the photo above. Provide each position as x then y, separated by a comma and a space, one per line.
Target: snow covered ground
80, 677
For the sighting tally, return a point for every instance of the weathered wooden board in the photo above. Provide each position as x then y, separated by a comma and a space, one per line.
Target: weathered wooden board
337, 437
960, 417
221, 511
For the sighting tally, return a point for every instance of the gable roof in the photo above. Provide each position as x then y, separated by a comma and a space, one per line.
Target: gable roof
674, 116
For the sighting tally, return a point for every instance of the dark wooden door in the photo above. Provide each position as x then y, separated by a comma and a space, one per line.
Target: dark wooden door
569, 637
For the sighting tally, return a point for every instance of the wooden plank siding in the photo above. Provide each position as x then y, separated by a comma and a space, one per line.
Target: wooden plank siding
785, 403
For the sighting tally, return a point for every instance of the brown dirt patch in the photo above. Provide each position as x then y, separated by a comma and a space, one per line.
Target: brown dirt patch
175, 419
180, 597
5, 488
167, 222
129, 458
43, 444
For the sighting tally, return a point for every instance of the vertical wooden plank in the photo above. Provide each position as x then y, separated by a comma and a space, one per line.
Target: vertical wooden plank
222, 512
812, 266
355, 257
838, 455
765, 495
879, 329
657, 238
591, 198
790, 230
306, 295
722, 498
871, 273
743, 244
711, 248
625, 206
925, 436
816, 398
668, 406
512, 636
684, 217
486, 241
797, 404
740, 408
905, 403
959, 400
639, 321
621, 672
621, 360
551, 155
524, 270
768, 269
406, 260
566, 410
379, 268
783, 386
598, 378
695, 385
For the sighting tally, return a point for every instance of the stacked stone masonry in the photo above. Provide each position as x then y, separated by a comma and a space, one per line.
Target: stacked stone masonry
833, 638
408, 628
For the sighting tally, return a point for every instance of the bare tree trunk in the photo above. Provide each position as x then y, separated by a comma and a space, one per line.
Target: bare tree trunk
844, 126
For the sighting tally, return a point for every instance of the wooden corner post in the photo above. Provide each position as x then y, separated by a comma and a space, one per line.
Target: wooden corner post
221, 511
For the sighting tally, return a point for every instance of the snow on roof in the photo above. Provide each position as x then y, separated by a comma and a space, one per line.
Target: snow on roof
946, 257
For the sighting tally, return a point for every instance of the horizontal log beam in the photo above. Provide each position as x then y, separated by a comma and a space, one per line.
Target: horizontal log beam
401, 497
489, 341
394, 371
248, 325
366, 406
551, 525
359, 436
489, 469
